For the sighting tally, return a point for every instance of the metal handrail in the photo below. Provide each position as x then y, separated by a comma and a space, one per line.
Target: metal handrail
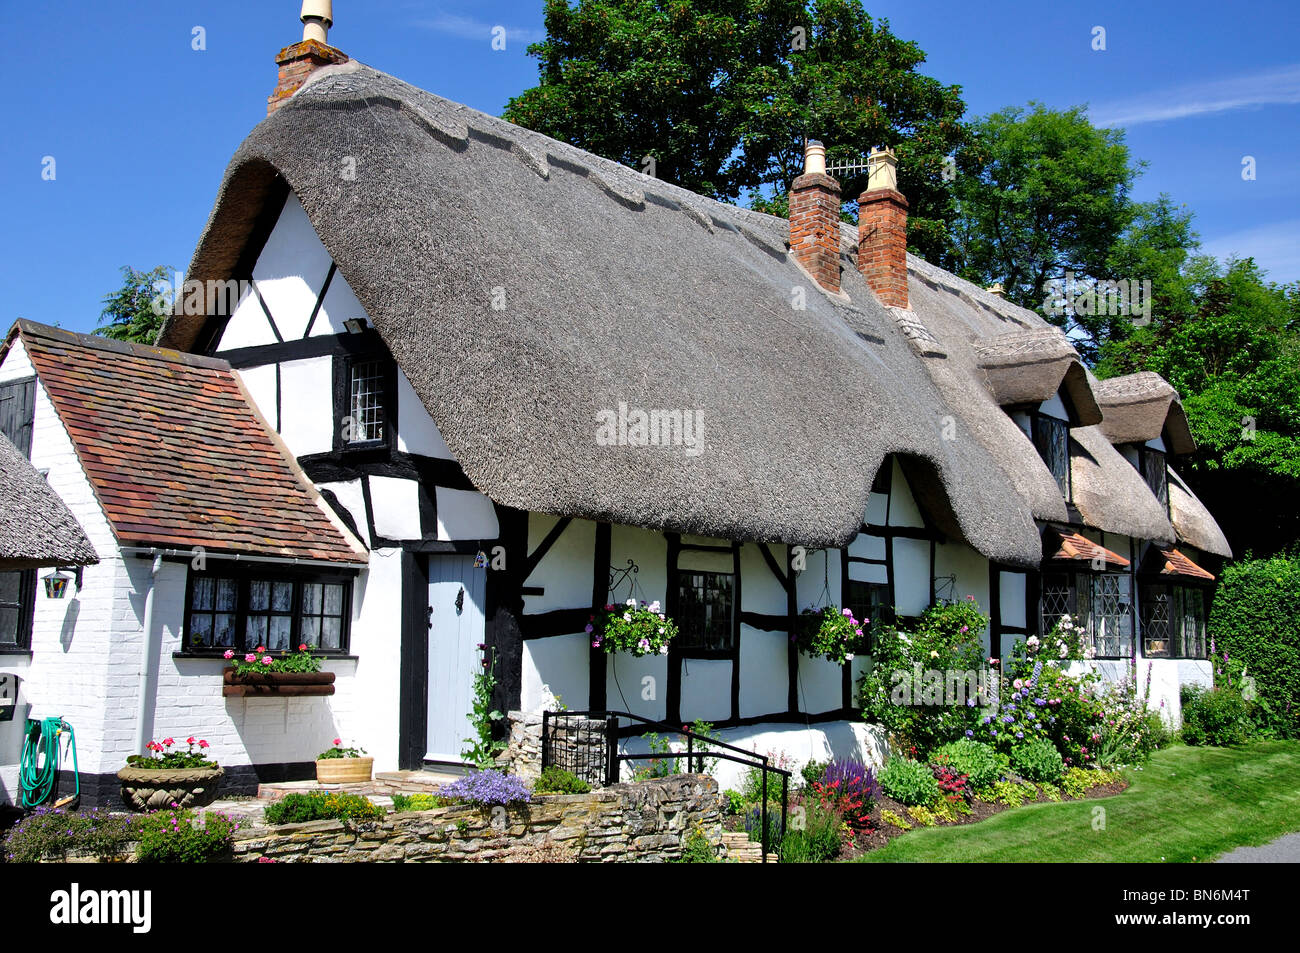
614, 756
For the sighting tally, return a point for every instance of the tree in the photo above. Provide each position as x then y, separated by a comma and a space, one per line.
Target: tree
1233, 352
1039, 194
720, 95
129, 312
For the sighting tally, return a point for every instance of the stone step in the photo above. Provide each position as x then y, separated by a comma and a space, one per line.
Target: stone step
739, 848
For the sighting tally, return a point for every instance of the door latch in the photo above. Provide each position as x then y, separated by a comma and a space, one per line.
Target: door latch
460, 601
430, 614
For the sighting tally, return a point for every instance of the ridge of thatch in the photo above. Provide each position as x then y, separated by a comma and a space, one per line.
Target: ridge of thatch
1192, 521
1141, 407
36, 527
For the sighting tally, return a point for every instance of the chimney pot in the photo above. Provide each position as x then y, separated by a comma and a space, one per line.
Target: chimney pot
815, 219
299, 61
317, 17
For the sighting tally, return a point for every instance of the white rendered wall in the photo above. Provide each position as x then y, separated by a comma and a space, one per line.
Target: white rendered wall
291, 270
903, 510
307, 405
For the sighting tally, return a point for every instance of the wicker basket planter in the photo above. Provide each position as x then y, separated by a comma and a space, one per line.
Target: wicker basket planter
282, 684
149, 789
344, 770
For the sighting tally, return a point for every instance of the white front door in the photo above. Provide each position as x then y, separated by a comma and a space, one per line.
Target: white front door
455, 631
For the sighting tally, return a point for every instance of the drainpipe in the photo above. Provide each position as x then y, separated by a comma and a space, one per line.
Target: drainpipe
148, 661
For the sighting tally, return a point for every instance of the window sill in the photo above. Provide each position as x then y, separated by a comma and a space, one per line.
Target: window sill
219, 657
15, 651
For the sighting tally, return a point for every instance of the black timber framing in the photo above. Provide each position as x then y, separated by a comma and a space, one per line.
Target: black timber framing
412, 732
599, 597
504, 611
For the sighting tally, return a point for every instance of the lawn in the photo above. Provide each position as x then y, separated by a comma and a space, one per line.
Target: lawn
1185, 804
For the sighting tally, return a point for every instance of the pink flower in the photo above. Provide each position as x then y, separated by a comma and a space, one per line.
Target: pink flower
338, 741
847, 612
266, 660
303, 647
250, 657
229, 653
189, 740
168, 742
203, 744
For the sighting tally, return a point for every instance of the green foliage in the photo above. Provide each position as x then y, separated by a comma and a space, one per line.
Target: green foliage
418, 802
890, 817
816, 840
1038, 761
736, 802
813, 771
978, 761
321, 805
1010, 793
483, 748
947, 638
696, 849
1256, 622
909, 782
135, 312
555, 780
636, 629
163, 758
1215, 717
1077, 782
721, 93
831, 633
922, 815
260, 661
751, 785
53, 833
178, 837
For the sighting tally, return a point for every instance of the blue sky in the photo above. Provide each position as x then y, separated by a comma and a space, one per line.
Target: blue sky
140, 125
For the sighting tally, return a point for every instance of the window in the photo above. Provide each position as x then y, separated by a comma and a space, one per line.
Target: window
1173, 621
1052, 440
705, 610
1100, 602
1154, 470
241, 612
17, 603
869, 601
365, 403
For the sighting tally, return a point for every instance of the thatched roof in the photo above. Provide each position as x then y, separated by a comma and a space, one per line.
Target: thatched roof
1141, 407
1192, 521
1110, 493
36, 527
618, 288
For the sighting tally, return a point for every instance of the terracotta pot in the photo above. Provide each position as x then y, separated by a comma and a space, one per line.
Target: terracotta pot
282, 684
344, 770
151, 789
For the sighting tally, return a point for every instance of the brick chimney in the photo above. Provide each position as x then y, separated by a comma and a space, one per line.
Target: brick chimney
882, 230
815, 218
300, 60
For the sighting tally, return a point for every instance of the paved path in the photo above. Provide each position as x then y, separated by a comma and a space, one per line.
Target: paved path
1284, 850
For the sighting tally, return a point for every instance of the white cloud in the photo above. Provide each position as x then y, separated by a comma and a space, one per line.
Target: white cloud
1279, 86
1275, 248
467, 28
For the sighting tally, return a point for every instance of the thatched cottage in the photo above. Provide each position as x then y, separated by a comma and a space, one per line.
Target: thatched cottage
436, 381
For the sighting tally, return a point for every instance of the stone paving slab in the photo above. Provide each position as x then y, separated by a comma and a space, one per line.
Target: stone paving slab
1284, 850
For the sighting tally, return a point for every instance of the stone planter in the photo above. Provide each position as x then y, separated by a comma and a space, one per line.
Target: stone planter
146, 789
276, 684
344, 770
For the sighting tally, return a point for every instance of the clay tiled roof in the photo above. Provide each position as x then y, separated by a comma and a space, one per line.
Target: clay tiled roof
1080, 548
176, 454
1176, 564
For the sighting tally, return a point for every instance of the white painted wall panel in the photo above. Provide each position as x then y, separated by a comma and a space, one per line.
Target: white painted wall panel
560, 665
340, 304
638, 685
877, 509
820, 686
911, 575
903, 510
972, 572
760, 592
416, 431
867, 547
819, 584
466, 514
350, 496
291, 270
565, 571
869, 572
764, 675
396, 505
261, 385
1054, 407
17, 365
649, 552
306, 405
248, 325
704, 561
706, 690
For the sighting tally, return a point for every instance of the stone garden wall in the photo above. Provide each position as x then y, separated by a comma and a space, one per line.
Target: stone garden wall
642, 821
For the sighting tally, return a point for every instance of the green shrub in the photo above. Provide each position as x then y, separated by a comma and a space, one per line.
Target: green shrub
174, 837
813, 771
978, 761
909, 782
735, 801
418, 802
696, 849
321, 805
1216, 717
1038, 761
1255, 621
52, 833
555, 780
1079, 781
815, 841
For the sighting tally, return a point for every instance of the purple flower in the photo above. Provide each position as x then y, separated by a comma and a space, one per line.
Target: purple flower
487, 787
969, 733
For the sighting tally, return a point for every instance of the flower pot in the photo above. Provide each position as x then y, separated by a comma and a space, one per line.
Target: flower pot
151, 789
344, 770
282, 684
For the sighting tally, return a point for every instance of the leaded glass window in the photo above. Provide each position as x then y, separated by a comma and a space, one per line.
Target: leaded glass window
213, 604
1157, 628
367, 402
1052, 438
1110, 615
1191, 622
1156, 474
705, 610
243, 611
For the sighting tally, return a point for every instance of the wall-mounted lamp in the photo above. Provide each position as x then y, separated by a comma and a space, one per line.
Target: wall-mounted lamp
355, 325
56, 583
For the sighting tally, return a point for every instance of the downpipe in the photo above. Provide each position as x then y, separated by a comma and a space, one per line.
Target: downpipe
148, 662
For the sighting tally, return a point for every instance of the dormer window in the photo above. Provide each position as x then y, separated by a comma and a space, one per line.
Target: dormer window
1155, 471
1052, 439
365, 401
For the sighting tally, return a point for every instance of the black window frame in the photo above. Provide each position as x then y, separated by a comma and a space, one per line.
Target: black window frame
343, 369
25, 608
1145, 455
1080, 595
17, 422
244, 576
875, 605
691, 643
1175, 598
1041, 424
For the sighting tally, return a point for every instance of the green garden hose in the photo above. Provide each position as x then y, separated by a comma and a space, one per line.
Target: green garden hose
39, 771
